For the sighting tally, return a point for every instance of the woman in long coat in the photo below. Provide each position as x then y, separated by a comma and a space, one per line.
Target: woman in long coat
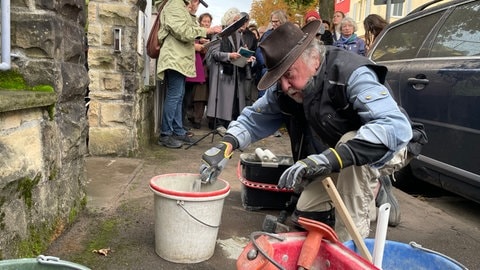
227, 81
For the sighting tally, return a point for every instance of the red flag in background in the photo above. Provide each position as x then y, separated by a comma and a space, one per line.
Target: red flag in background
342, 5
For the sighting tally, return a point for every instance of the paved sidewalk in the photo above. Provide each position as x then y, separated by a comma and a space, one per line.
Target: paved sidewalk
120, 215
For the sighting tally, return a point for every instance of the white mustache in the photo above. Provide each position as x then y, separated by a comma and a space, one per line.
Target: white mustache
292, 91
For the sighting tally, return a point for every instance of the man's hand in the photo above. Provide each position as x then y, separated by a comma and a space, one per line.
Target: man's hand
214, 160
313, 165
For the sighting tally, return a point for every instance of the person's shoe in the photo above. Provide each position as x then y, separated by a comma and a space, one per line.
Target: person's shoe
184, 139
169, 141
196, 125
385, 195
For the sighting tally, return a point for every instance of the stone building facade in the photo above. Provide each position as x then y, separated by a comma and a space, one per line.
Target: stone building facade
42, 134
45, 136
121, 102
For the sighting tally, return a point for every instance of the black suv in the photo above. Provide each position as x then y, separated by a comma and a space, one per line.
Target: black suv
433, 58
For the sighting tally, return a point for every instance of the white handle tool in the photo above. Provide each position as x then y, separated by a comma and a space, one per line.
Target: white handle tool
381, 234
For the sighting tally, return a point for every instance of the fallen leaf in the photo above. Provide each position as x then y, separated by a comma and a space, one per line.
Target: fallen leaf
103, 251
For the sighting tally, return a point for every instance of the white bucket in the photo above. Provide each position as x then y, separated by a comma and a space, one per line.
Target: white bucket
187, 218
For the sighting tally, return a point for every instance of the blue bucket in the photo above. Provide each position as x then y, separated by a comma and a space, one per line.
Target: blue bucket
403, 256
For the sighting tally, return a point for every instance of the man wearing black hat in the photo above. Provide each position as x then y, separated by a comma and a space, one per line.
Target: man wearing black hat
341, 119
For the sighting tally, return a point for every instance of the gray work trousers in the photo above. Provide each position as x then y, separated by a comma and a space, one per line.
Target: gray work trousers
356, 185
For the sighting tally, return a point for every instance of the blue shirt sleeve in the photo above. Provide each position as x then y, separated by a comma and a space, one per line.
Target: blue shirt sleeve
383, 122
259, 120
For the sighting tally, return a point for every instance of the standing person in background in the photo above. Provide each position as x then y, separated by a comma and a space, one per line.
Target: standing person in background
337, 19
327, 25
277, 18
373, 25
176, 61
253, 27
255, 31
226, 80
196, 89
349, 40
261, 30
250, 41
324, 34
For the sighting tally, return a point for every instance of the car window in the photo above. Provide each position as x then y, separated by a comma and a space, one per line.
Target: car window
404, 41
460, 34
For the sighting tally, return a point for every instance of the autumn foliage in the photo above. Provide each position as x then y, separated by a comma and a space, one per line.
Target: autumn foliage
261, 10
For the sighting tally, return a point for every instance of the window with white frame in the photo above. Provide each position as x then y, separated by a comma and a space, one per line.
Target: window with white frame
357, 9
397, 10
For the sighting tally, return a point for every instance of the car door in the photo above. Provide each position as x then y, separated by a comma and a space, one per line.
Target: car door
400, 45
434, 71
441, 88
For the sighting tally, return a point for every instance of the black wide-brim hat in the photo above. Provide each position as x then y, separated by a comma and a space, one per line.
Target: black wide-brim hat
283, 47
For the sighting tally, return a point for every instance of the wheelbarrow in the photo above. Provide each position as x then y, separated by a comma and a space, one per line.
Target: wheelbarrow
317, 249
321, 249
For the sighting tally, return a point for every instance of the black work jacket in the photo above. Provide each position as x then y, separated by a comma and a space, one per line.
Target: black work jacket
326, 113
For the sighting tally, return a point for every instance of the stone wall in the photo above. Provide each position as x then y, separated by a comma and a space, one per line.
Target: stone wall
120, 114
43, 135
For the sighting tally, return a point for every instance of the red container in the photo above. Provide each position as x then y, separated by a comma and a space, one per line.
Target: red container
286, 253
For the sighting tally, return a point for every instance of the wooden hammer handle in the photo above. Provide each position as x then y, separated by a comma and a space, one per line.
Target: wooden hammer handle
346, 218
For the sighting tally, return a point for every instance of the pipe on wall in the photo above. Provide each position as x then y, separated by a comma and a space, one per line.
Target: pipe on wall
6, 61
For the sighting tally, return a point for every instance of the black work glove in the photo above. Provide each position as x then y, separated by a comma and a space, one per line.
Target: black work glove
215, 159
419, 139
312, 166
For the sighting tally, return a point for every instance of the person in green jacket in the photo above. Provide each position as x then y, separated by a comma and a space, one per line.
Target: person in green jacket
176, 61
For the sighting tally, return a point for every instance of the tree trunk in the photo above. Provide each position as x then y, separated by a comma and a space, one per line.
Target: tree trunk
326, 9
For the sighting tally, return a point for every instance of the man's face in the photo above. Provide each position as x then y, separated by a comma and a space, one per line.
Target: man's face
294, 80
275, 21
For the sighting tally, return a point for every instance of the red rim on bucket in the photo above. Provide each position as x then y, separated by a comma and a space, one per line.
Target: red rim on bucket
213, 193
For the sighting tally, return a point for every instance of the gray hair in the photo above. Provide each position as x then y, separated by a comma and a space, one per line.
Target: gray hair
315, 48
349, 20
281, 15
230, 16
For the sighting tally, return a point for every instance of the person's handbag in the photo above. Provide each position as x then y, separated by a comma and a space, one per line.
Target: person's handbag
153, 44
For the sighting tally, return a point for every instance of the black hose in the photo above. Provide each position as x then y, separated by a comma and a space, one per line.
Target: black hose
253, 239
